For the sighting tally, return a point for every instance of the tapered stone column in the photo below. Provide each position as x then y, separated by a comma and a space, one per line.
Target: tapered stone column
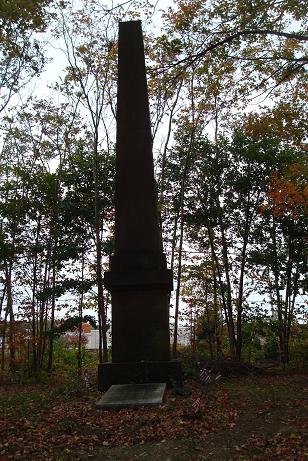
138, 279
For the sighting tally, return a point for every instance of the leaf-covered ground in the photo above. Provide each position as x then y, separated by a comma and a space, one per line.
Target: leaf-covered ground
247, 418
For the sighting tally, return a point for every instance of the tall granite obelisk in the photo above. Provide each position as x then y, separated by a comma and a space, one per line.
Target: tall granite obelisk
138, 279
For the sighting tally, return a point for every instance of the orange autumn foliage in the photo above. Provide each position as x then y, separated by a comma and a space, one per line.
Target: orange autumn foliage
86, 327
286, 197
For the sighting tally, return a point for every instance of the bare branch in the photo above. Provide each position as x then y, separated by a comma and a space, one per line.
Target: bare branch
244, 33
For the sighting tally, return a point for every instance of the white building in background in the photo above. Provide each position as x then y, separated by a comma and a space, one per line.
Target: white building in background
93, 338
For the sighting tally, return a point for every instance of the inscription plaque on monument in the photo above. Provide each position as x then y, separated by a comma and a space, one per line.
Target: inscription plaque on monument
138, 279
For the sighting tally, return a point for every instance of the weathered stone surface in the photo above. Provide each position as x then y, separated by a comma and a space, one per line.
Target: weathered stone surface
132, 395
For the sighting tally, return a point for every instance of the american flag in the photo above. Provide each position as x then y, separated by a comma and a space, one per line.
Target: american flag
196, 405
205, 376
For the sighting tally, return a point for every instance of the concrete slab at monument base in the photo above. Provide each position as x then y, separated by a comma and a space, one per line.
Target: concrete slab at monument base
169, 372
132, 395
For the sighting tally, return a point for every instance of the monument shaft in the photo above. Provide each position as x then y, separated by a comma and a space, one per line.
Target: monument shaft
136, 228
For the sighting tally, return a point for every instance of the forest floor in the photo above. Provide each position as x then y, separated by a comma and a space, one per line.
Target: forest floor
240, 418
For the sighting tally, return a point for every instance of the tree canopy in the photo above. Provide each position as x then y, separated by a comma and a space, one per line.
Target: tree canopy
228, 105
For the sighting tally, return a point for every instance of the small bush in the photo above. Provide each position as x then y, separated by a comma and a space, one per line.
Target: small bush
74, 388
190, 370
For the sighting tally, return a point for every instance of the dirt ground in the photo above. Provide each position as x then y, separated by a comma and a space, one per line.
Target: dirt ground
244, 418
274, 426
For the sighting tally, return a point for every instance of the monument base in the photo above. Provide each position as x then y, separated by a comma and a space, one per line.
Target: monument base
169, 372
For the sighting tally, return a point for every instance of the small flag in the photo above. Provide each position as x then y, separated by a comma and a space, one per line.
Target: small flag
196, 405
205, 376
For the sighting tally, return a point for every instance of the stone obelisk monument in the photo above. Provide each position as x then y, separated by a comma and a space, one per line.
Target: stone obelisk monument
138, 279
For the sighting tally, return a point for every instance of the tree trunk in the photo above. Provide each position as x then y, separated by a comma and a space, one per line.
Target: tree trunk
278, 297
241, 280
80, 314
43, 311
217, 268
3, 343
33, 310
9, 308
2, 299
103, 347
215, 301
287, 302
163, 162
52, 318
178, 288
180, 250
231, 330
